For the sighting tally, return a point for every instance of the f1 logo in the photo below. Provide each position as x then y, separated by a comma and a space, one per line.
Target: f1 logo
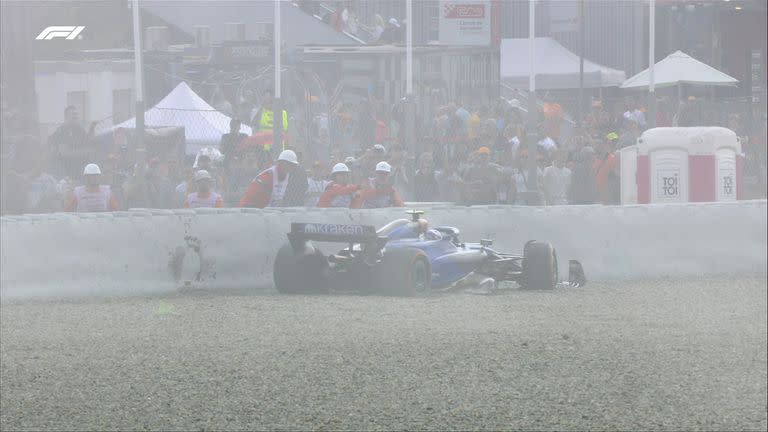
54, 32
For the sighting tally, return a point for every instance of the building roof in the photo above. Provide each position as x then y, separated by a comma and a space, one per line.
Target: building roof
298, 28
393, 49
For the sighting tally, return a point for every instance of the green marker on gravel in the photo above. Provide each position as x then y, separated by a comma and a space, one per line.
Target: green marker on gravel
165, 309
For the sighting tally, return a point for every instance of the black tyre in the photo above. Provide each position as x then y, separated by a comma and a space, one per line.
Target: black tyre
403, 272
297, 274
539, 266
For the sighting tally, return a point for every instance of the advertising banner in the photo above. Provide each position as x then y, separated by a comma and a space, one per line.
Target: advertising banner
465, 22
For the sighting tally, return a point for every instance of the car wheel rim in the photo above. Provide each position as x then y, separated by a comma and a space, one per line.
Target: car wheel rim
420, 276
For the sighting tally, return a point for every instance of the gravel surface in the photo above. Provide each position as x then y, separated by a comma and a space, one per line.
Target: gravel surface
659, 355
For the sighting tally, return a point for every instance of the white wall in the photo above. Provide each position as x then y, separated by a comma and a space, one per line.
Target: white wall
98, 79
129, 253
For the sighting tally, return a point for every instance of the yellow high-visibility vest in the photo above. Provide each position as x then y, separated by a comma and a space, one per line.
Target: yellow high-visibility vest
266, 122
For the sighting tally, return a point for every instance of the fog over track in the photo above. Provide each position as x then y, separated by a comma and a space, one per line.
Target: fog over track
143, 252
651, 355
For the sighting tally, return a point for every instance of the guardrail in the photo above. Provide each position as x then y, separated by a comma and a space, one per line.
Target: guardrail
144, 251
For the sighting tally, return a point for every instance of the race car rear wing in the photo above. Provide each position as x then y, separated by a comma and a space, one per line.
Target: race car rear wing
339, 233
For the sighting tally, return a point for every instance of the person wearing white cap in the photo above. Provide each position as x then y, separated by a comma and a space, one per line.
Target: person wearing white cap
204, 196
379, 192
339, 193
380, 148
391, 33
93, 196
280, 185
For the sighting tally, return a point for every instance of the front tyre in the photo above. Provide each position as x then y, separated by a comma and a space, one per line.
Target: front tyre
539, 266
300, 274
403, 272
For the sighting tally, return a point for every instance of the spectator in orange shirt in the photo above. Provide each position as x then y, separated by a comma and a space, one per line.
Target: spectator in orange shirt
204, 196
93, 196
339, 193
553, 116
606, 174
379, 192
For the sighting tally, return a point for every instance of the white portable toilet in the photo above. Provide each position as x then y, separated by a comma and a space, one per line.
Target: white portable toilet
727, 173
694, 164
628, 174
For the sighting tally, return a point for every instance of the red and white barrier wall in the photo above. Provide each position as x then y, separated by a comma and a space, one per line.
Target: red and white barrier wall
141, 252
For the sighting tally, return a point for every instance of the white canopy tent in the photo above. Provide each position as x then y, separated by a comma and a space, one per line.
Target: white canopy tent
203, 125
680, 68
556, 67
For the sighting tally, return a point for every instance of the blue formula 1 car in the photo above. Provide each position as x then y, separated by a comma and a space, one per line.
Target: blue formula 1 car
407, 258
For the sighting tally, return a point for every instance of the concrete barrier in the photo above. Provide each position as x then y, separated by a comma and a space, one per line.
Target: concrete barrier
142, 251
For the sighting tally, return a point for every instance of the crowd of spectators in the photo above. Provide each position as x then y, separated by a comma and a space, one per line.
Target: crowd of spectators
343, 17
469, 153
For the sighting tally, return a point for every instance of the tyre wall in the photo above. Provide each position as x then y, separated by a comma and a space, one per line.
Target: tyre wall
141, 252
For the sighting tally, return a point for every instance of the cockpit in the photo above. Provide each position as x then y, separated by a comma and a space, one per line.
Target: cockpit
418, 228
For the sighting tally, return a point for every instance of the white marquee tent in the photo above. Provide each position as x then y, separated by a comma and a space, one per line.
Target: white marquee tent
556, 67
680, 68
203, 125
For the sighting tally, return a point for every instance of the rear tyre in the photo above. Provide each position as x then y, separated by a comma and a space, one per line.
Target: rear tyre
539, 266
300, 274
403, 272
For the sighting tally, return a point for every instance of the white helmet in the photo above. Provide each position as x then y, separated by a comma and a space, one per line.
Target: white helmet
92, 169
203, 175
288, 156
212, 153
383, 167
340, 168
